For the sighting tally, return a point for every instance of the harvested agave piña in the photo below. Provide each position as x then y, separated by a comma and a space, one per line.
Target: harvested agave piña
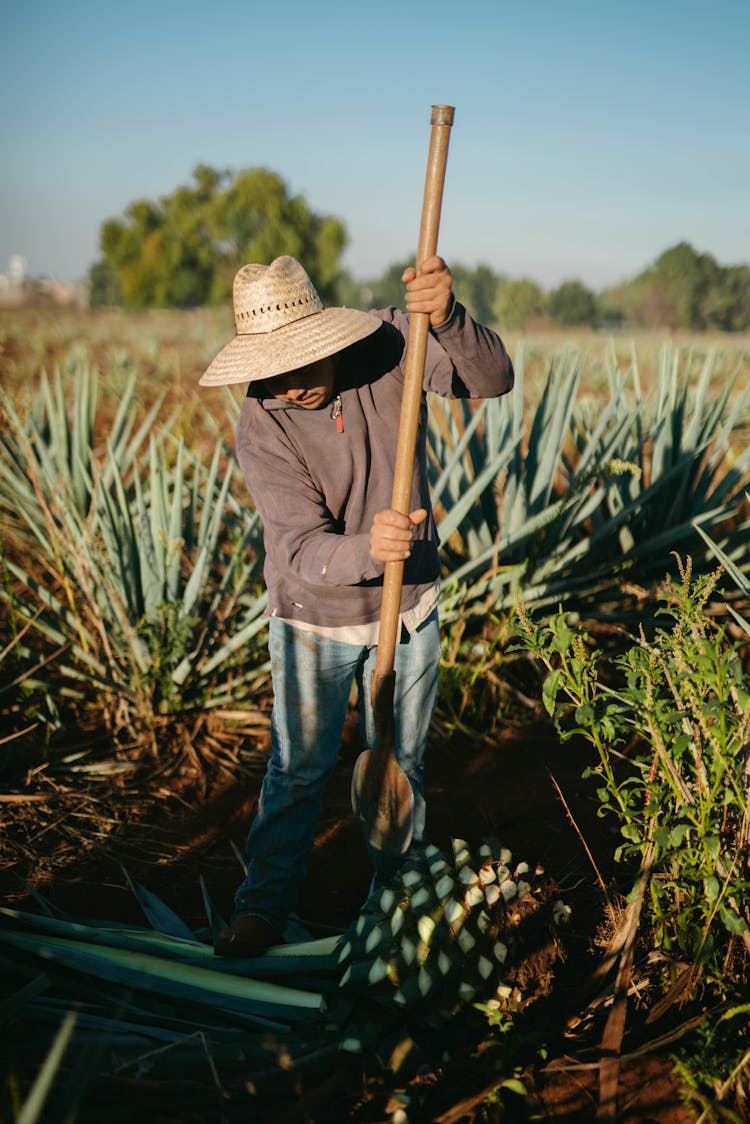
440, 936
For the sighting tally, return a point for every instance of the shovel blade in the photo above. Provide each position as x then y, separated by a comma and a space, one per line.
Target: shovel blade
383, 802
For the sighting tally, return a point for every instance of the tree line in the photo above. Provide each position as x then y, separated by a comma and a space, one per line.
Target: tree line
184, 250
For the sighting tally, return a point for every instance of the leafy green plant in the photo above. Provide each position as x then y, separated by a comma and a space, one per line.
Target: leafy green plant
669, 719
474, 691
714, 1068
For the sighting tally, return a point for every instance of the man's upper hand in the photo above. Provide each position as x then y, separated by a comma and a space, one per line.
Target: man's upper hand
428, 289
391, 534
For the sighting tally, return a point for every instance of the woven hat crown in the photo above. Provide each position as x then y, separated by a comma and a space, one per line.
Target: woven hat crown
281, 325
267, 297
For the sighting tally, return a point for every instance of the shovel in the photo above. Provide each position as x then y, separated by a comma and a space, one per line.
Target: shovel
382, 797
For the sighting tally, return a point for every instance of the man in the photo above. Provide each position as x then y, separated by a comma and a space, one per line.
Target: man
316, 441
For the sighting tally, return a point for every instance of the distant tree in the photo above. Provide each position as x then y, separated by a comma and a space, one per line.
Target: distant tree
185, 249
104, 286
572, 305
517, 302
476, 290
352, 293
726, 306
685, 279
388, 289
654, 306
687, 289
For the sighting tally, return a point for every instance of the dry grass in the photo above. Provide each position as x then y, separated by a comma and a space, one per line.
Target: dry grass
172, 348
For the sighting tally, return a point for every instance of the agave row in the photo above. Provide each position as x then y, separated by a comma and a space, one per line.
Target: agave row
565, 502
143, 576
140, 568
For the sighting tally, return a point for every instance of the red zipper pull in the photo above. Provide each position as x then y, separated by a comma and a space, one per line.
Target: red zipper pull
337, 414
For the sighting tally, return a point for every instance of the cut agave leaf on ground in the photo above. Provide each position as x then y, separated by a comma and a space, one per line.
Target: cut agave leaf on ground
215, 921
322, 946
139, 940
25, 995
311, 958
153, 1012
237, 995
44, 904
163, 919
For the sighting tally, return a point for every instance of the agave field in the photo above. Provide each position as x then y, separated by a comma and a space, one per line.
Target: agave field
575, 940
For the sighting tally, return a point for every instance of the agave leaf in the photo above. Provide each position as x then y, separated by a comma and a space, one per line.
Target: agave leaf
459, 510
209, 489
121, 540
308, 958
208, 538
244, 998
25, 995
114, 936
163, 919
110, 1031
174, 530
34, 1103
130, 1022
150, 573
453, 462
48, 908
124, 447
737, 576
255, 623
157, 508
215, 922
548, 430
63, 614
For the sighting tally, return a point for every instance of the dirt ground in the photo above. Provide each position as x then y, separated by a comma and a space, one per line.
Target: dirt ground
523, 788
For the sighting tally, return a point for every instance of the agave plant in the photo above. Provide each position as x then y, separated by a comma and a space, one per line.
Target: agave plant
145, 578
687, 469
50, 455
740, 574
566, 509
154, 600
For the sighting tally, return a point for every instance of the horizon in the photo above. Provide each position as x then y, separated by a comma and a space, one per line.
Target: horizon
77, 281
586, 140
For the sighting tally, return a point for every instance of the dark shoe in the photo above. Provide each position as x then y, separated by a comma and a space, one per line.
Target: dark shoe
247, 936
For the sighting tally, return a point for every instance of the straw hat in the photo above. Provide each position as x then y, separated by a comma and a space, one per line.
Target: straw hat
281, 325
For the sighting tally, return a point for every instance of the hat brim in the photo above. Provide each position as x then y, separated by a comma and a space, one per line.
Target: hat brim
249, 358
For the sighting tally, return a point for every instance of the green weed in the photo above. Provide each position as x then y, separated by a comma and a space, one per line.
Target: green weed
669, 719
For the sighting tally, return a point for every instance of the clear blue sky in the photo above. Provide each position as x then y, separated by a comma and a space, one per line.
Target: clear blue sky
588, 137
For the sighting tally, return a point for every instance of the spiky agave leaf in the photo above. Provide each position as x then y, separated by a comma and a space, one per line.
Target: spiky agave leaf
33, 1107
643, 471
246, 999
310, 958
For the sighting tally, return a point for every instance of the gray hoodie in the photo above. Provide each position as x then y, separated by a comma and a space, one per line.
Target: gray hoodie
317, 489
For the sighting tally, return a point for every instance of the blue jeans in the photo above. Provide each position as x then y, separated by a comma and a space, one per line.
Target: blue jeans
312, 679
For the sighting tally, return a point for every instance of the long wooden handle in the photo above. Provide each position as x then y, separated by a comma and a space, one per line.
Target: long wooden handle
441, 122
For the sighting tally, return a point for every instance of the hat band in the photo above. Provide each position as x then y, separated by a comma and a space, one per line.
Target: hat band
277, 313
